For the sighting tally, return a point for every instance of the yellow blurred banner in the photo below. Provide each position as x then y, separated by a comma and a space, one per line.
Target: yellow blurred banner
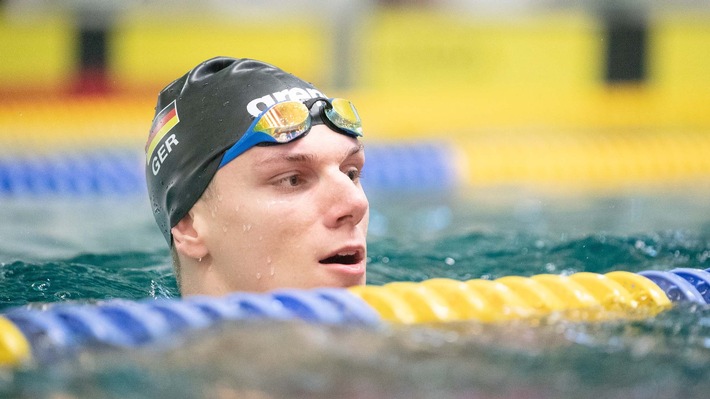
412, 72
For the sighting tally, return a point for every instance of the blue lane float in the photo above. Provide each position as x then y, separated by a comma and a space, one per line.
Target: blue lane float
414, 166
676, 287
421, 166
65, 328
698, 278
106, 172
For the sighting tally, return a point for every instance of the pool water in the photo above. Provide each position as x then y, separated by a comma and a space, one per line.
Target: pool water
87, 249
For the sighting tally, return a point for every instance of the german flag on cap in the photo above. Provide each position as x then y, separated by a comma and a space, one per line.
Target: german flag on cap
166, 119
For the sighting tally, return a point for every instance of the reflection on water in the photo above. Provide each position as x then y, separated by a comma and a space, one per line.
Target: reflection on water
100, 249
549, 358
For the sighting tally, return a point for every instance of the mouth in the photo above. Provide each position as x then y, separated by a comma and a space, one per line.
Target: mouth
351, 256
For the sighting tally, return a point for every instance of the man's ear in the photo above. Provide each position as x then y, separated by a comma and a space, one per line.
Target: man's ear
187, 240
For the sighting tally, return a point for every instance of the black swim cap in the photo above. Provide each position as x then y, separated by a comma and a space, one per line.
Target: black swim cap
197, 118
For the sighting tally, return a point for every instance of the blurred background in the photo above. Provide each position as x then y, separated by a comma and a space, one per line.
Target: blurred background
602, 93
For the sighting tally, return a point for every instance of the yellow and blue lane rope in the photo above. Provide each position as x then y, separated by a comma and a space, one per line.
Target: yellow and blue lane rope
62, 329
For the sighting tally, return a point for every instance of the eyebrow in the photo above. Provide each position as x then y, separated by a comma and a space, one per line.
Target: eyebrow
354, 150
307, 157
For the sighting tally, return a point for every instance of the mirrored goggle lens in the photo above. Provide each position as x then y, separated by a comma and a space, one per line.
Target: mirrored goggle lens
344, 115
284, 121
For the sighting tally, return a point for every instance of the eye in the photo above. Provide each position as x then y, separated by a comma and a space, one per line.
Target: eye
353, 174
293, 180
290, 181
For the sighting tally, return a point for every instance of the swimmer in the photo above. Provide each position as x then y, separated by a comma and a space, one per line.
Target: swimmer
254, 180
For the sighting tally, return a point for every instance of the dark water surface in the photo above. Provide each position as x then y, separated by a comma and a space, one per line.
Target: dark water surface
55, 250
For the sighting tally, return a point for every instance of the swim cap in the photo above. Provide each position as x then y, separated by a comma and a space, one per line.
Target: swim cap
198, 117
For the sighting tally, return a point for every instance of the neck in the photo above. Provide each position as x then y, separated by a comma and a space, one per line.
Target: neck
199, 277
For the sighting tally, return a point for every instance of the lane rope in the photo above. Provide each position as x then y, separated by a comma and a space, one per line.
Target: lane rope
64, 328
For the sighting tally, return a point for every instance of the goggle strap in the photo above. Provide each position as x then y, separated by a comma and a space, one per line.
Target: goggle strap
245, 142
310, 103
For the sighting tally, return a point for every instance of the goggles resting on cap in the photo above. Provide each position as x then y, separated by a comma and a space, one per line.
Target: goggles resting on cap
286, 121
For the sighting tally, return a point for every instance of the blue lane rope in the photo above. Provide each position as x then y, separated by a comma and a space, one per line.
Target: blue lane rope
415, 166
676, 287
64, 328
419, 166
700, 279
100, 172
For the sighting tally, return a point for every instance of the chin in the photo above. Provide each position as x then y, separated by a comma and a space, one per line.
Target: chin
349, 281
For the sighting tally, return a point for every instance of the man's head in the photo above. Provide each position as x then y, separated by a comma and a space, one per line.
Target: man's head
253, 177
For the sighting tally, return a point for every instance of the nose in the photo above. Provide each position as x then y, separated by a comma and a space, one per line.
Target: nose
346, 202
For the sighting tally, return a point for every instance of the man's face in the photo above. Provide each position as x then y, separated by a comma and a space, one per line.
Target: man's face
288, 216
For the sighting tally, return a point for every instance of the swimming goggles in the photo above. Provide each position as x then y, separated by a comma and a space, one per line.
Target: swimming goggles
286, 121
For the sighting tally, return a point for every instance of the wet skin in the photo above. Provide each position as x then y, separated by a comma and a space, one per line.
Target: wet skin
283, 216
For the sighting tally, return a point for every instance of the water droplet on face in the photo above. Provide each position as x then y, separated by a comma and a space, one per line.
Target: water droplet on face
272, 270
246, 227
236, 208
258, 276
224, 228
268, 260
